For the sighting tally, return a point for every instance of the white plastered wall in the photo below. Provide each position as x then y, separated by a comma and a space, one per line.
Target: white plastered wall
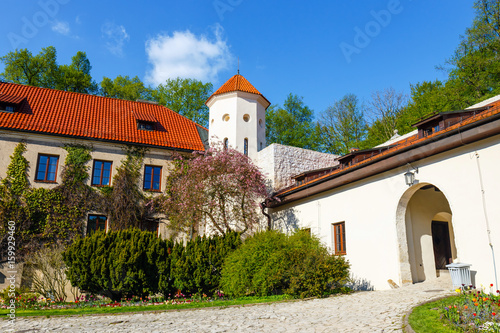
374, 210
236, 105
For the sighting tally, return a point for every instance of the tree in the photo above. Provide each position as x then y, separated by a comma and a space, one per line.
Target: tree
387, 106
76, 77
24, 68
343, 126
124, 87
221, 186
186, 97
291, 125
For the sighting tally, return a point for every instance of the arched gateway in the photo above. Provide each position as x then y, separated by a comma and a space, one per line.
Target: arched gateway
425, 233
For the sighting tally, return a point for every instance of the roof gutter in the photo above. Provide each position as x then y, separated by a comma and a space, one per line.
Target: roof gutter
455, 138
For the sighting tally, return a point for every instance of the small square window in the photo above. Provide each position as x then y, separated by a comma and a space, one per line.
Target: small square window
152, 178
145, 125
96, 222
101, 175
10, 108
46, 169
339, 238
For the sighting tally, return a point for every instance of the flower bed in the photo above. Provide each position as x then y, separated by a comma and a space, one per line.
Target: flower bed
474, 310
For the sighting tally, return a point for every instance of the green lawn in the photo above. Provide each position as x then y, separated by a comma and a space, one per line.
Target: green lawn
124, 309
426, 318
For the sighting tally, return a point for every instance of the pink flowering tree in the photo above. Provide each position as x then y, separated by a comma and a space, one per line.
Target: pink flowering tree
220, 187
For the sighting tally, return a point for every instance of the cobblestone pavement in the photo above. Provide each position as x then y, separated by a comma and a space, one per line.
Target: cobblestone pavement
368, 311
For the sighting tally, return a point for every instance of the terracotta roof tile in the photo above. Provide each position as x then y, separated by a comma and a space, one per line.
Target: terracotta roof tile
236, 83
95, 117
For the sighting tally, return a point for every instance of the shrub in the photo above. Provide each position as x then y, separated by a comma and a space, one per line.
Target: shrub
116, 264
272, 263
196, 268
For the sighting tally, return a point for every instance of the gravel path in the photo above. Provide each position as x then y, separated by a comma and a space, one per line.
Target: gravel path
369, 311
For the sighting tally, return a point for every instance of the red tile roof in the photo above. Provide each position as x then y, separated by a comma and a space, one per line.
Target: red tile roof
93, 117
237, 83
396, 147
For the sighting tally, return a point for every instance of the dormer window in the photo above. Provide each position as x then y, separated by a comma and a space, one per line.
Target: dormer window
10, 108
145, 121
145, 125
10, 103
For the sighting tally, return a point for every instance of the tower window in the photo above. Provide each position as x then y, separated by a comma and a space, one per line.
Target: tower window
225, 117
261, 146
260, 122
246, 118
245, 147
226, 143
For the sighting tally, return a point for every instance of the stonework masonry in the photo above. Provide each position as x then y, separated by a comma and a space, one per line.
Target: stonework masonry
279, 163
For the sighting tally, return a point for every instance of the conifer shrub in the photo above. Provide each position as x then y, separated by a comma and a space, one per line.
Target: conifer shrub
273, 263
116, 264
136, 263
196, 267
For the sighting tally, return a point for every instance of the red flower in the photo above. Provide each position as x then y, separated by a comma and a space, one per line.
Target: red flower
474, 314
493, 314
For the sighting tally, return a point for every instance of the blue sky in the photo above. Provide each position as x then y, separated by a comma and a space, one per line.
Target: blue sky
320, 50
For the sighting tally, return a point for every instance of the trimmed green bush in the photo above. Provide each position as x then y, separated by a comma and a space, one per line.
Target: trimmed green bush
273, 263
116, 264
133, 262
196, 268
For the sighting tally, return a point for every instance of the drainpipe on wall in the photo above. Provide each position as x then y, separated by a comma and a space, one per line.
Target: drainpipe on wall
488, 231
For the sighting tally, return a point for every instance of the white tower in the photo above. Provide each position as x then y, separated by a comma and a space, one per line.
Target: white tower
238, 116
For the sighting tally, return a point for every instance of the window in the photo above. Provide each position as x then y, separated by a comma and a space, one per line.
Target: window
102, 173
246, 118
226, 143
152, 176
339, 238
150, 225
145, 125
46, 169
96, 222
7, 108
245, 147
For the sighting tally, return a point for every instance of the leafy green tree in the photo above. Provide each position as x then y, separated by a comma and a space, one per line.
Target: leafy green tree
343, 125
22, 67
292, 124
186, 97
76, 77
124, 87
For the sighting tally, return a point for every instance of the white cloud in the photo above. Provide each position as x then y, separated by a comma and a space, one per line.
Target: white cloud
61, 27
115, 37
185, 55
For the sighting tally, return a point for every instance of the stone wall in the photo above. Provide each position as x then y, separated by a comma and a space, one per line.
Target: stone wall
279, 163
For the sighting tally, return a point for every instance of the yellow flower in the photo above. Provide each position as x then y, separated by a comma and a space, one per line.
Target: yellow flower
457, 290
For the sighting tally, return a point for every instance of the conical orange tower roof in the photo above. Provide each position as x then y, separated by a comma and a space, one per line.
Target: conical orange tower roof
236, 83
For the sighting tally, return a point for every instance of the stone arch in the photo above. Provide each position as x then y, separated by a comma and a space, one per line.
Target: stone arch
418, 207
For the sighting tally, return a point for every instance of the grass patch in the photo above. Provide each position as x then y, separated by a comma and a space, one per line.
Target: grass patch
141, 308
426, 318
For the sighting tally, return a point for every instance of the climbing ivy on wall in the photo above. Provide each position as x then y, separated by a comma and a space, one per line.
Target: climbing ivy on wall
45, 216
48, 216
125, 202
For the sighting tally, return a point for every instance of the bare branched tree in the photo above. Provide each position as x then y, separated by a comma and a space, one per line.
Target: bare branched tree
386, 106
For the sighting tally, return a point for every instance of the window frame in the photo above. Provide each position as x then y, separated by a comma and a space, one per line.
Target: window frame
245, 147
151, 189
146, 125
339, 228
102, 170
45, 180
90, 231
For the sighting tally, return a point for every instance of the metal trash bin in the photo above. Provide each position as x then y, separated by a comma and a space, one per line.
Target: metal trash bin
460, 274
